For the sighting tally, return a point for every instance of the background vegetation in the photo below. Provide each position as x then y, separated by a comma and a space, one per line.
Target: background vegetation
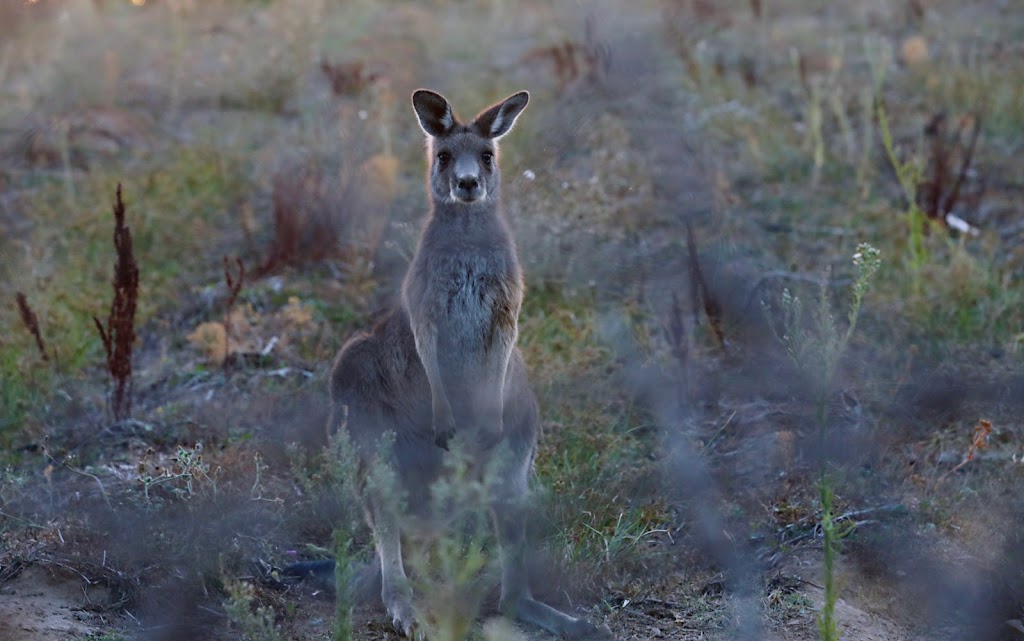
681, 164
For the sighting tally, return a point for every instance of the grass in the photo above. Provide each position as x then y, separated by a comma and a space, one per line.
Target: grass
798, 168
593, 438
67, 263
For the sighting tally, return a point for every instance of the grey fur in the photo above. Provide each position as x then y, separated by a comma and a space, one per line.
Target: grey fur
443, 366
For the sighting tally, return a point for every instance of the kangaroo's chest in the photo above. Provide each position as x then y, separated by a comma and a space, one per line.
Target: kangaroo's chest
465, 280
473, 285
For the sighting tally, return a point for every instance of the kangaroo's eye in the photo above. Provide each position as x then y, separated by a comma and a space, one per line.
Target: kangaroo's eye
443, 158
488, 158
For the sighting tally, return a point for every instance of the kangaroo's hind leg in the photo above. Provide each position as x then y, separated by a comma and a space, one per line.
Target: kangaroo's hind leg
516, 600
395, 589
508, 504
382, 493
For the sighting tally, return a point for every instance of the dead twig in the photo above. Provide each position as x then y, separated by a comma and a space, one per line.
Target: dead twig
982, 430
234, 284
718, 432
939, 198
676, 330
123, 587
65, 462
699, 286
849, 516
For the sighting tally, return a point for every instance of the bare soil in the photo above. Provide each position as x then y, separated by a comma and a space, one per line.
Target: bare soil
51, 603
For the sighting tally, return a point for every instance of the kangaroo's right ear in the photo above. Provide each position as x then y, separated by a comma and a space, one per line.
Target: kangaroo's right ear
433, 112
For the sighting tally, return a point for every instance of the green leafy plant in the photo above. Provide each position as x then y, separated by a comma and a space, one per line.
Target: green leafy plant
341, 468
256, 623
342, 630
816, 349
909, 173
451, 571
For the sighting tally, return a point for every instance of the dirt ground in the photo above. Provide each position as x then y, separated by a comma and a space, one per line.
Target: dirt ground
53, 603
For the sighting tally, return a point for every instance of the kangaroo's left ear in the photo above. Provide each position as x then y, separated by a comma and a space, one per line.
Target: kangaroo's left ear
497, 120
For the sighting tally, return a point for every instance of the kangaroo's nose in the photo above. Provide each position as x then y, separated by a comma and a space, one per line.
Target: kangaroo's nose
468, 183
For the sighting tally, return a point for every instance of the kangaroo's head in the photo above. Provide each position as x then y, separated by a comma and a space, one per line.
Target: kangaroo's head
464, 158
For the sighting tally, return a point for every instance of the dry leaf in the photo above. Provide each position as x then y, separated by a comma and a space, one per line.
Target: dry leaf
297, 313
914, 51
211, 340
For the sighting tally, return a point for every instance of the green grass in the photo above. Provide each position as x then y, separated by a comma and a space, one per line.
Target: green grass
939, 292
175, 209
594, 451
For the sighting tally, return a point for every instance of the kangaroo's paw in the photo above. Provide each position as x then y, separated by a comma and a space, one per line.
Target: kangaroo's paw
402, 617
444, 431
441, 439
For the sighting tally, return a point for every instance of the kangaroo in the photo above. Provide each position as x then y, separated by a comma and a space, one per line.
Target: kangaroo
442, 368
464, 286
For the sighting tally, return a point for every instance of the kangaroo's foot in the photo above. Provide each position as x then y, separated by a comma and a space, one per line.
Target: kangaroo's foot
532, 611
399, 607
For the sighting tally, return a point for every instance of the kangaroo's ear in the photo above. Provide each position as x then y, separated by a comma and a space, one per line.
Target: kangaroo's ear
496, 121
433, 112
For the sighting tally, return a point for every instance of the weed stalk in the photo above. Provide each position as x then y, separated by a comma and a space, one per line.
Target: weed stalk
816, 350
31, 322
118, 334
827, 626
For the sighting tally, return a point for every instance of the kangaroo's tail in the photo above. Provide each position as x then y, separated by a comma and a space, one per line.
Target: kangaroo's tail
365, 583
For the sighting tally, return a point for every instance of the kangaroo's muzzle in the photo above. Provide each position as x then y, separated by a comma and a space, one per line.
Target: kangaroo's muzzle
467, 189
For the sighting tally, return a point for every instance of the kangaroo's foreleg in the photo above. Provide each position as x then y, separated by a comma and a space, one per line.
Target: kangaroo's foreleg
443, 420
490, 388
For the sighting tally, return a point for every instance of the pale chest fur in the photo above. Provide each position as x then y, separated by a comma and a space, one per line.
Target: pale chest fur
466, 281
